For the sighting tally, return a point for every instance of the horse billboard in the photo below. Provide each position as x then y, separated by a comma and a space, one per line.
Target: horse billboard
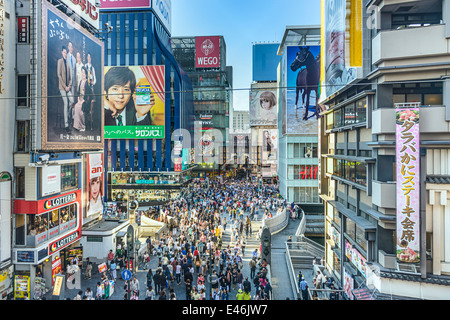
303, 91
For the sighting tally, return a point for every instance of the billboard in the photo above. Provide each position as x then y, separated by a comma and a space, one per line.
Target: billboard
268, 139
72, 59
163, 9
302, 82
263, 108
408, 184
342, 44
86, 9
134, 102
265, 61
124, 4
207, 52
94, 199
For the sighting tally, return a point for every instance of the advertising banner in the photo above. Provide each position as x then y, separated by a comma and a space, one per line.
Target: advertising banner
268, 139
207, 52
408, 184
124, 4
134, 102
163, 10
342, 43
71, 106
94, 203
50, 180
303, 79
263, 108
86, 9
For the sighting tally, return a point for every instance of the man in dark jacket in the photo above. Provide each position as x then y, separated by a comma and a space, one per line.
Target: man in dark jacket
247, 285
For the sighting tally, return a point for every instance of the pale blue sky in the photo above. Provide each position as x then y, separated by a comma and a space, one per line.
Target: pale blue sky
242, 22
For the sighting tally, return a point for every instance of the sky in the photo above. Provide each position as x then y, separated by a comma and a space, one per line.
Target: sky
242, 23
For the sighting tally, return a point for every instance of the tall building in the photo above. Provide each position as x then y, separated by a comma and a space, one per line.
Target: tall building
144, 151
8, 89
240, 121
204, 60
384, 145
298, 92
58, 144
263, 111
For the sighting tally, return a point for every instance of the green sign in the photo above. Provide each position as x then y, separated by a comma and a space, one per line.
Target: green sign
134, 132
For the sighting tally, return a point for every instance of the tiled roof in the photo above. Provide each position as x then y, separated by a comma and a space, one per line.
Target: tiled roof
438, 179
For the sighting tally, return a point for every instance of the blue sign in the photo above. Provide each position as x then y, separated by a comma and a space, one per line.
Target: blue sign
126, 275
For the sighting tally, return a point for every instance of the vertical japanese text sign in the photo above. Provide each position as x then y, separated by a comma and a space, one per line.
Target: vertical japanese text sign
408, 185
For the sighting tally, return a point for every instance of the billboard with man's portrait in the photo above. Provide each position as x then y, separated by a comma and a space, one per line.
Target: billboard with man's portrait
134, 102
72, 66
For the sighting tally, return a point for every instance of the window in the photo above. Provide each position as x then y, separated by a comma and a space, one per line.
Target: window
23, 136
69, 176
361, 106
19, 173
361, 177
360, 238
349, 114
23, 90
350, 228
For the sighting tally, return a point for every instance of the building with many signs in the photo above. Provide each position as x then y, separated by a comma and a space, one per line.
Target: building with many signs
298, 91
204, 60
384, 132
58, 144
263, 112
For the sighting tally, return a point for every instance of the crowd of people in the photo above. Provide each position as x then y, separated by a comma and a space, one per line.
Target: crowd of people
192, 252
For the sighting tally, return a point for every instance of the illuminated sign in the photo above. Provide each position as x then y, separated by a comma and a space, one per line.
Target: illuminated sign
59, 201
207, 52
308, 172
85, 9
57, 245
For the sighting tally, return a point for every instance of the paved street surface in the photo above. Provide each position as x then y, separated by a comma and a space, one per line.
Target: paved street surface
279, 272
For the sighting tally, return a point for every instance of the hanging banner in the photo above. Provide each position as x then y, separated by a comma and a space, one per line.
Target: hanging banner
408, 184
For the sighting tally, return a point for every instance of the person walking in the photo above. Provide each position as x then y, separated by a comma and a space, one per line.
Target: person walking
304, 289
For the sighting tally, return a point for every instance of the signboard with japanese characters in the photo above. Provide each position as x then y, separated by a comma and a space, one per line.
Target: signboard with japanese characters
408, 184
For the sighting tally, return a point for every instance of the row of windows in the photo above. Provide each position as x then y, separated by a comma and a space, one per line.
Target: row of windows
354, 171
352, 113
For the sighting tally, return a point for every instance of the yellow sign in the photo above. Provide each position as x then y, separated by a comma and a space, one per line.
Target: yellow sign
58, 285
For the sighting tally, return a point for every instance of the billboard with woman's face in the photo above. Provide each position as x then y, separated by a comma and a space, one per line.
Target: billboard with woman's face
263, 108
72, 62
94, 203
134, 102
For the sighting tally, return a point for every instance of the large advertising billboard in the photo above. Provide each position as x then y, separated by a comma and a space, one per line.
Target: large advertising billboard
342, 43
72, 63
86, 9
94, 190
207, 52
408, 184
268, 140
124, 4
134, 102
302, 79
263, 108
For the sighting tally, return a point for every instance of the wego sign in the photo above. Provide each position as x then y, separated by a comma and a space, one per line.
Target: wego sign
207, 52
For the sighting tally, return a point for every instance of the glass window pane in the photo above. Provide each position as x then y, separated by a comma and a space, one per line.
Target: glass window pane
433, 99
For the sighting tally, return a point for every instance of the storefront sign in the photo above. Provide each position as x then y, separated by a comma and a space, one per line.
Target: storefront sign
57, 245
408, 184
59, 201
22, 29
207, 52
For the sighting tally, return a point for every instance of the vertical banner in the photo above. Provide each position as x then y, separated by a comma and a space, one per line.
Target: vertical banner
408, 184
95, 184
